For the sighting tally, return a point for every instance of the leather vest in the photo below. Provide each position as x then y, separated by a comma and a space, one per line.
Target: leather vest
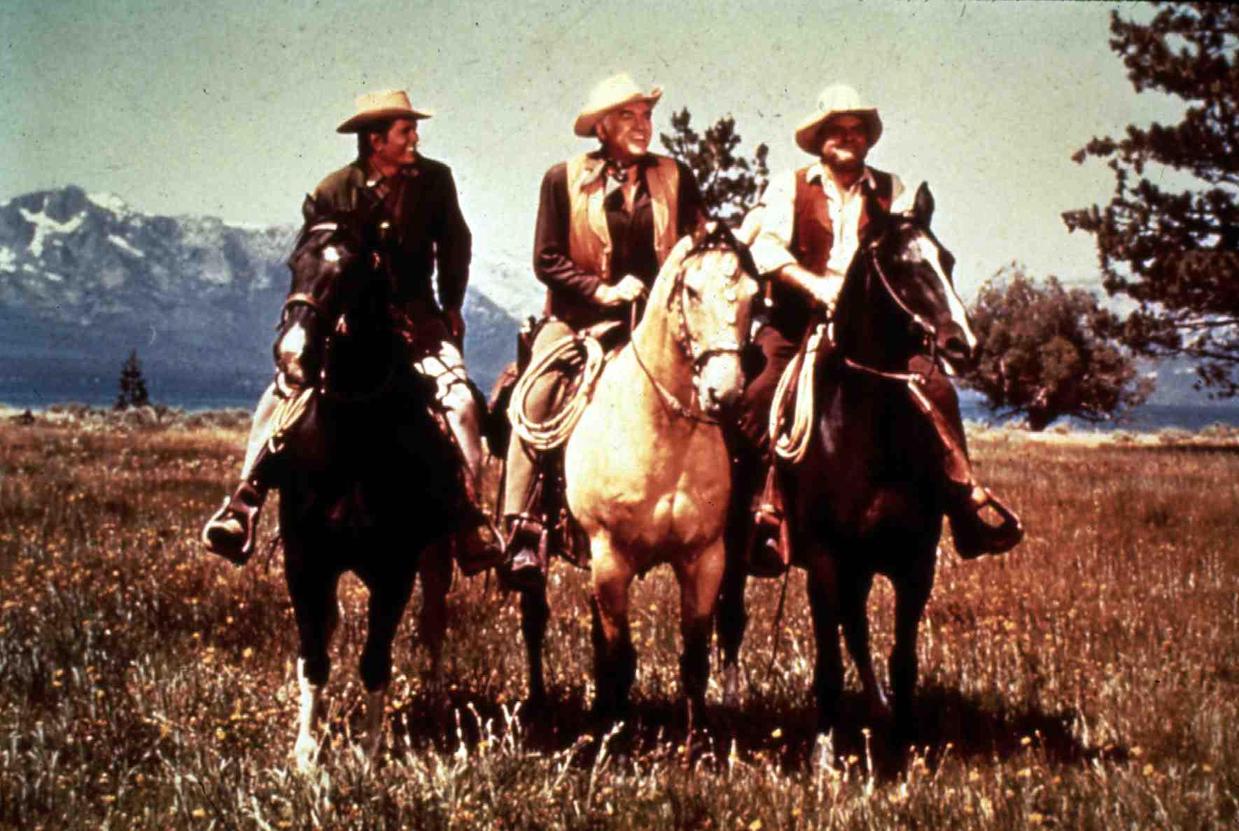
589, 240
813, 237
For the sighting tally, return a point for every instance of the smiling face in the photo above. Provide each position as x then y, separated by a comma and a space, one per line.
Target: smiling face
625, 131
395, 147
845, 143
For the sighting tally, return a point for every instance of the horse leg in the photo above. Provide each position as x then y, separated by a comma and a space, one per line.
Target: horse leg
911, 594
435, 570
615, 660
535, 612
732, 616
389, 595
699, 585
823, 588
317, 612
854, 586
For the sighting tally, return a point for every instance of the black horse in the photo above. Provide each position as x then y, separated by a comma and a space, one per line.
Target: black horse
367, 479
868, 497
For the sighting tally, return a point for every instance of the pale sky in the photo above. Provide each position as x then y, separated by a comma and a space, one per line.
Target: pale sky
230, 108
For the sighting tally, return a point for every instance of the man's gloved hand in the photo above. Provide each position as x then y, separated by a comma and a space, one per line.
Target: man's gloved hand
627, 290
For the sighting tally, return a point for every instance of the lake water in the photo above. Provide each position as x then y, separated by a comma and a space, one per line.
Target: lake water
195, 393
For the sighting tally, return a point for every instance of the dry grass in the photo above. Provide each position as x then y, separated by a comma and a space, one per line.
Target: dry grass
1089, 680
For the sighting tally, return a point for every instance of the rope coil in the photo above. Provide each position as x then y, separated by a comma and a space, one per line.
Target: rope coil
581, 353
790, 437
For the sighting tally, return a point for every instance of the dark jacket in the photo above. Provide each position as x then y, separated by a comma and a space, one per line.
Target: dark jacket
430, 231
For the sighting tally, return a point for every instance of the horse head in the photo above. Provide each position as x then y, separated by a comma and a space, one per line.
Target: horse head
711, 296
331, 264
902, 274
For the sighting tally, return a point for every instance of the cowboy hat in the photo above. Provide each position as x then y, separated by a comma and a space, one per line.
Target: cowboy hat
381, 106
611, 94
837, 99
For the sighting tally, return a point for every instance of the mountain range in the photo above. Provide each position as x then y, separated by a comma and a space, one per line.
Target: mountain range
85, 278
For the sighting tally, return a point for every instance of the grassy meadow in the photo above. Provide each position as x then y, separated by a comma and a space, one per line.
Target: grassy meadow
1088, 680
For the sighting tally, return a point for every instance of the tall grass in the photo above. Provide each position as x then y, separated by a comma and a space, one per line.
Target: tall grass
1087, 680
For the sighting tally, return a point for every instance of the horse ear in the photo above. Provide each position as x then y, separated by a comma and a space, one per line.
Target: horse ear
923, 205
309, 210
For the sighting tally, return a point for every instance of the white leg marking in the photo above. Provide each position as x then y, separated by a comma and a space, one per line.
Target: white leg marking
305, 750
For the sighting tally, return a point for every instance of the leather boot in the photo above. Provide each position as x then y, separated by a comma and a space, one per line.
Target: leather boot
476, 550
974, 534
231, 531
525, 555
768, 553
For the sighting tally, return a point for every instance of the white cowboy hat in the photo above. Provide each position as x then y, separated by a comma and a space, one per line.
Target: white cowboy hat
837, 99
379, 106
611, 94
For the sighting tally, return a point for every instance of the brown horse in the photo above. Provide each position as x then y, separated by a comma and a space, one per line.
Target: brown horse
867, 498
360, 454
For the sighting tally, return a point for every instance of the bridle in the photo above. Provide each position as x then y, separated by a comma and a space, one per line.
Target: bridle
307, 300
688, 345
929, 332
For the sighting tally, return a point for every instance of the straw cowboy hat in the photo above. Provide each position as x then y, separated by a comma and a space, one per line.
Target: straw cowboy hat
611, 94
837, 99
381, 106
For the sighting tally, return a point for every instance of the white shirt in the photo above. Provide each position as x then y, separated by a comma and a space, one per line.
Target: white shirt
772, 248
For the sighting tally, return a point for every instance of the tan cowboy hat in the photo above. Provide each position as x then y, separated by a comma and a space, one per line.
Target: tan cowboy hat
611, 94
379, 106
837, 99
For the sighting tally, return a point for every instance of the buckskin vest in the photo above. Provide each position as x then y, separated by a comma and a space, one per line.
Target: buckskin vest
589, 240
812, 238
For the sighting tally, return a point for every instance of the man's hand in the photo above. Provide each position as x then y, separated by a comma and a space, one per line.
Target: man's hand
627, 290
822, 291
456, 325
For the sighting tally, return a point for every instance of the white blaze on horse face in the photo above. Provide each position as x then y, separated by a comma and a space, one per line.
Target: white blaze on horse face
292, 347
331, 254
928, 252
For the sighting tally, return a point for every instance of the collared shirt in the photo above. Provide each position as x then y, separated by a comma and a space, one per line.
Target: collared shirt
772, 248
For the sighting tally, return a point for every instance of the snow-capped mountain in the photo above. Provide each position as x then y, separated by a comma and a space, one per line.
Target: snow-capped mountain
84, 278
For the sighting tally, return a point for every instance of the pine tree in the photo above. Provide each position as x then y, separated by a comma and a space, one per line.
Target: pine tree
1169, 238
132, 384
730, 184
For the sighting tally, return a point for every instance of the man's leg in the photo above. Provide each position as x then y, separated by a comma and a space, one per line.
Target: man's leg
968, 501
446, 367
230, 531
522, 511
755, 473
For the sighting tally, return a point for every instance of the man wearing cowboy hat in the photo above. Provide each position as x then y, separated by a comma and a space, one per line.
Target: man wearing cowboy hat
427, 233
811, 219
606, 221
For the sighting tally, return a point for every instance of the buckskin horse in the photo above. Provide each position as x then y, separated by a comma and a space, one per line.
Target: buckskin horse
646, 468
359, 454
867, 497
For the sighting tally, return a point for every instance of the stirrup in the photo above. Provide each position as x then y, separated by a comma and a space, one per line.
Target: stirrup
975, 537
231, 531
525, 556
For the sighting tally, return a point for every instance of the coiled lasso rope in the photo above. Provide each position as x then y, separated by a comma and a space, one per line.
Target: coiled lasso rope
797, 379
580, 351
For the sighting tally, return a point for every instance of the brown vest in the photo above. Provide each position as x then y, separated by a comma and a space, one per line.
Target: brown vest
812, 238
589, 240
